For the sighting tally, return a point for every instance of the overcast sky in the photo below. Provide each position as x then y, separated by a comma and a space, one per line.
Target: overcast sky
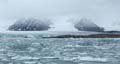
100, 11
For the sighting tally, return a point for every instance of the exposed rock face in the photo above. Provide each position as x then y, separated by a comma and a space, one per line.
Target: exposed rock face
30, 25
86, 25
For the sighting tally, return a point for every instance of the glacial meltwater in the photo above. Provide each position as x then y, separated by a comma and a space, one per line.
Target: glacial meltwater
32, 49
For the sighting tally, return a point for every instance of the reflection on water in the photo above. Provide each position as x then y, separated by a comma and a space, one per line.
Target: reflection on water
59, 51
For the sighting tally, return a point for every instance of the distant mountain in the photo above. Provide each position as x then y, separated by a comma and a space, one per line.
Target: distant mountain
87, 25
112, 32
30, 24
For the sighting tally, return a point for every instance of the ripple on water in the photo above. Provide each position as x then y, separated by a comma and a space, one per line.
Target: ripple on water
59, 51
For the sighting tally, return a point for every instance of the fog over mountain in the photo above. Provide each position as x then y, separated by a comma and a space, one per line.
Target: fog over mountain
30, 24
103, 12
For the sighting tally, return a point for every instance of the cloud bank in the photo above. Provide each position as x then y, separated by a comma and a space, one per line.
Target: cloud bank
103, 12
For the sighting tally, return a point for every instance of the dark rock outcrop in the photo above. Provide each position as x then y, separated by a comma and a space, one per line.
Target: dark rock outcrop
87, 25
88, 36
30, 24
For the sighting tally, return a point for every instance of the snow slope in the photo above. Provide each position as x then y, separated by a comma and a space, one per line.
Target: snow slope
62, 25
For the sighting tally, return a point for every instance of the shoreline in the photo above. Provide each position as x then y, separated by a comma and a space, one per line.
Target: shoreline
68, 34
87, 36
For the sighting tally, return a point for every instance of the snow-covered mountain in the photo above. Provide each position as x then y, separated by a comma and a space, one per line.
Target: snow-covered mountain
87, 25
30, 24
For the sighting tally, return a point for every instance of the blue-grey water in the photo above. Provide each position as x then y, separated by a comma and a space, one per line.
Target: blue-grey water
32, 49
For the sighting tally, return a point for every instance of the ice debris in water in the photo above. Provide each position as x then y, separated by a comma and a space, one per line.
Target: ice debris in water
59, 51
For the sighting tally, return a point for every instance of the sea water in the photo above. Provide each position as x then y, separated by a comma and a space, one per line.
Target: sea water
33, 49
